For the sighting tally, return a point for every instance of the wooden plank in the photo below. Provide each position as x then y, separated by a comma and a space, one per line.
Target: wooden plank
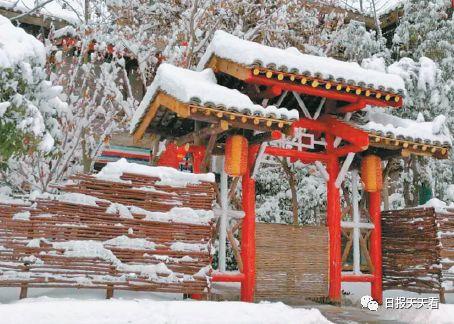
236, 70
203, 133
209, 149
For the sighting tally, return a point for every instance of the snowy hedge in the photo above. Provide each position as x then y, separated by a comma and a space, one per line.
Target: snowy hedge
29, 104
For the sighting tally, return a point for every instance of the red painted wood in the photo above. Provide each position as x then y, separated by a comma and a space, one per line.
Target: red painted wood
248, 230
355, 106
344, 150
351, 134
334, 225
310, 124
172, 156
320, 92
293, 153
227, 277
198, 153
357, 278
144, 156
375, 246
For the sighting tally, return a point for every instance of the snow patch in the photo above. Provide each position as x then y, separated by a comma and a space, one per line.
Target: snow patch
17, 46
140, 311
22, 216
168, 176
434, 131
188, 86
245, 52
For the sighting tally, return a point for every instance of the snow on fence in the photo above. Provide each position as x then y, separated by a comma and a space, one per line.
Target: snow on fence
133, 228
412, 253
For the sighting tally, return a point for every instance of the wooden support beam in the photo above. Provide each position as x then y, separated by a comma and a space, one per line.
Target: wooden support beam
259, 159
109, 292
348, 245
235, 249
161, 99
198, 135
155, 150
265, 137
209, 150
233, 186
236, 70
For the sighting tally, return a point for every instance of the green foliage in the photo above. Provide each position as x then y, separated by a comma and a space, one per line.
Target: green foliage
14, 140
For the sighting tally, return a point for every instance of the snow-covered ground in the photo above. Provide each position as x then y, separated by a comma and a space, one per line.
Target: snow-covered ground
445, 313
136, 308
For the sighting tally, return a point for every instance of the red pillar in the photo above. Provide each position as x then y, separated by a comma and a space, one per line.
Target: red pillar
334, 227
248, 232
375, 246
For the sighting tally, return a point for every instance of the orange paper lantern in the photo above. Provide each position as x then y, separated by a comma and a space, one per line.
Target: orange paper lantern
371, 173
236, 155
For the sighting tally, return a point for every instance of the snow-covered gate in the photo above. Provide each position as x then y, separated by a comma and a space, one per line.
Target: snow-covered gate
131, 227
291, 262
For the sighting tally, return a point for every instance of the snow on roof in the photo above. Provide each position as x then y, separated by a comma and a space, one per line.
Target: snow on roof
169, 176
68, 10
201, 87
382, 7
227, 46
434, 132
18, 46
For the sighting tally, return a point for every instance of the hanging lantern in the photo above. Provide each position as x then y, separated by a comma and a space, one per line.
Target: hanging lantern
371, 173
236, 155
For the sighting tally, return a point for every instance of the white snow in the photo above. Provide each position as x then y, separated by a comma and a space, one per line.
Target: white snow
382, 7
8, 200
443, 315
68, 10
177, 215
122, 210
182, 246
131, 243
436, 203
434, 131
245, 52
79, 199
22, 216
143, 311
98, 249
186, 85
17, 46
169, 176
450, 193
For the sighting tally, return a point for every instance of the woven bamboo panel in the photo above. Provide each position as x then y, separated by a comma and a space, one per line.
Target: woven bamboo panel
159, 255
291, 262
411, 251
445, 222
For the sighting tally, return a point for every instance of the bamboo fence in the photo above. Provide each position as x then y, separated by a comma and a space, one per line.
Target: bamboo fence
171, 256
445, 222
291, 262
411, 250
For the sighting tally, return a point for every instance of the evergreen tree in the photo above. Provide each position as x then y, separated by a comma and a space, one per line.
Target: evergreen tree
29, 104
424, 41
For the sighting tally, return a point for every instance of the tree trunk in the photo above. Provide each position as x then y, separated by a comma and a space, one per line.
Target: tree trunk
86, 160
87, 10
